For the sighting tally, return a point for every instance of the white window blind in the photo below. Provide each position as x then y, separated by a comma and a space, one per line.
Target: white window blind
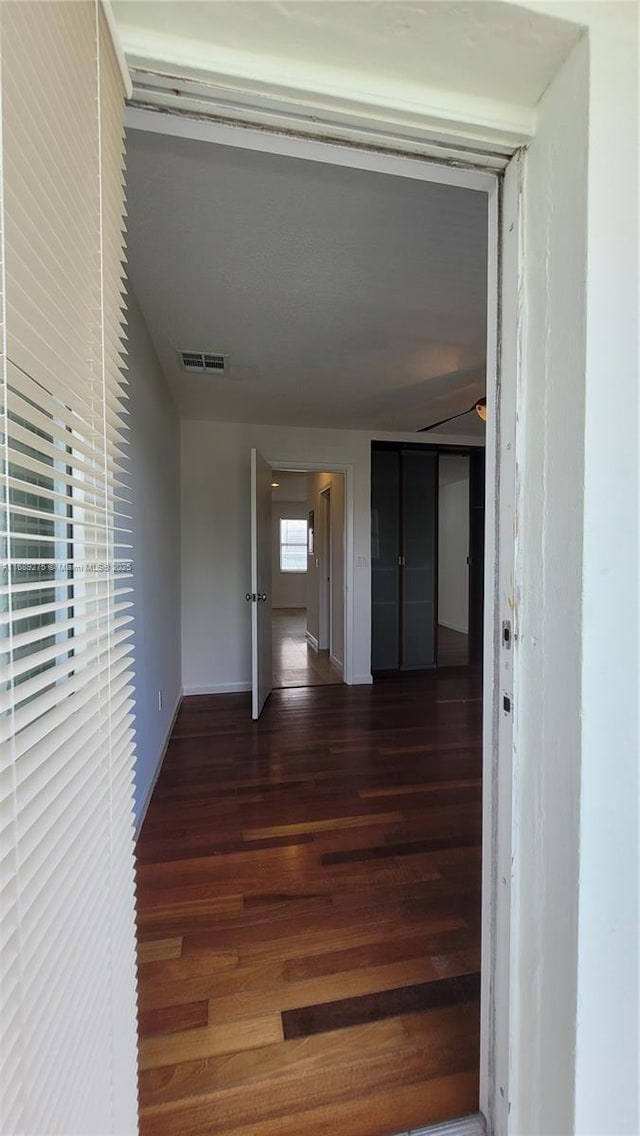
293, 545
67, 1013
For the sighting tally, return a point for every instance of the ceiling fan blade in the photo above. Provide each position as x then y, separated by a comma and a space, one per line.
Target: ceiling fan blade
460, 414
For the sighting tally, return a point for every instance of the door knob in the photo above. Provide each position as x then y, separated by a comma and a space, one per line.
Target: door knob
262, 596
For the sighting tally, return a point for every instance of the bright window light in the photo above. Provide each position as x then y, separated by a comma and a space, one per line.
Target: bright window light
293, 545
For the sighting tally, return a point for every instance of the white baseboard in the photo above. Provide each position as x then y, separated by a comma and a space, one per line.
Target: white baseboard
163, 754
311, 640
362, 680
335, 663
218, 688
453, 627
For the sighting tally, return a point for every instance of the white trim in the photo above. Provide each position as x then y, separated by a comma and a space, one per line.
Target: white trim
346, 153
325, 595
117, 47
497, 754
249, 89
498, 846
219, 688
335, 663
311, 640
163, 753
488, 1088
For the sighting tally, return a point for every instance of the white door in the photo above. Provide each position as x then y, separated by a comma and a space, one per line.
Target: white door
326, 623
260, 595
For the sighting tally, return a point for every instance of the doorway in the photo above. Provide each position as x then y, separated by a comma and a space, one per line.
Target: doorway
308, 573
445, 701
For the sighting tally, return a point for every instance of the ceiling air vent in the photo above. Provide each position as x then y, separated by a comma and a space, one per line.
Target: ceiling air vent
204, 362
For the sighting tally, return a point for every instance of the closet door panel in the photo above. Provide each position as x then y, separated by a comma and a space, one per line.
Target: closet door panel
419, 548
385, 540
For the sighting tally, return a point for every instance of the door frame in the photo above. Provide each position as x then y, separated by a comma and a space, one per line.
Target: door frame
261, 570
439, 448
294, 465
499, 176
325, 597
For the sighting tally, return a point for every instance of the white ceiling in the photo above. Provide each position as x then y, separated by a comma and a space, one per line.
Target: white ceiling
345, 298
501, 53
291, 486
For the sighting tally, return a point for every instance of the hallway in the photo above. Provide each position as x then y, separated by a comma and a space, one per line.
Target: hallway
294, 660
308, 913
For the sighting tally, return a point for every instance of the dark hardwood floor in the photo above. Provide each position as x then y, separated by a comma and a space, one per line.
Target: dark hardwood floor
308, 913
453, 647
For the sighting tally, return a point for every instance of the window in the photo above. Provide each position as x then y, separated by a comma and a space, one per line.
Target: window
293, 545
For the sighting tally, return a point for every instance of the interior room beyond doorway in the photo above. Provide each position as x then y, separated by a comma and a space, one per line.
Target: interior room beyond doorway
307, 578
453, 560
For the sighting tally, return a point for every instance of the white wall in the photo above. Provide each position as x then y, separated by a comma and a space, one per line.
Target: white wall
608, 1008
215, 541
575, 1007
453, 542
288, 589
155, 475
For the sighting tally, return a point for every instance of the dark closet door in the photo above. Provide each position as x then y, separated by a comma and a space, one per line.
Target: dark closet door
419, 498
385, 548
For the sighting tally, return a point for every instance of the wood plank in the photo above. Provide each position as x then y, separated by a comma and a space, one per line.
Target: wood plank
206, 962
300, 1056
347, 1012
178, 904
360, 1113
206, 1042
172, 847
402, 848
384, 952
420, 787
215, 985
297, 995
436, 1030
322, 825
294, 866
152, 950
442, 932
173, 1019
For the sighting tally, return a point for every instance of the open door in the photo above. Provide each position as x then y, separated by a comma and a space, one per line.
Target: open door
260, 595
